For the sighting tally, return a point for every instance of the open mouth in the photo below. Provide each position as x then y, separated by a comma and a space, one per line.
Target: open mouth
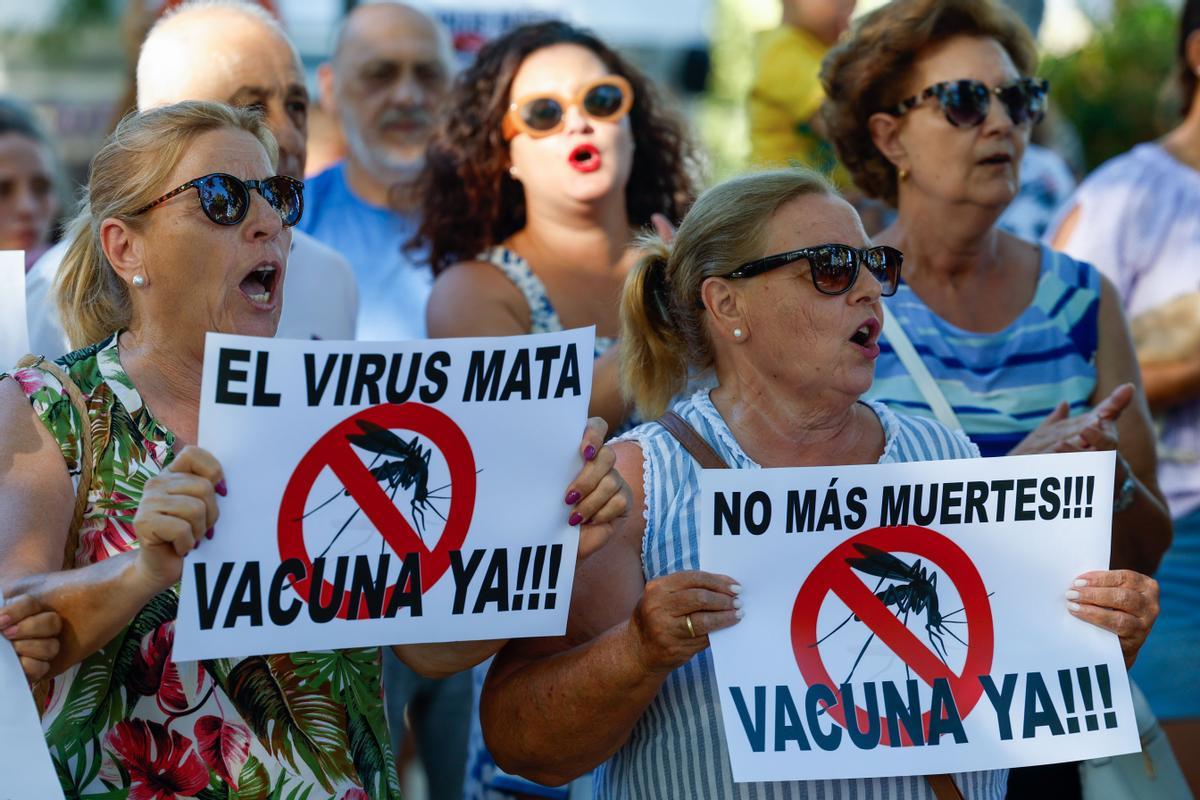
996, 160
585, 158
259, 286
866, 334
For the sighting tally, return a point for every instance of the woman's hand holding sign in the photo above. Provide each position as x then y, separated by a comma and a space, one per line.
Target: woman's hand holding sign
177, 512
1117, 600
672, 621
33, 629
598, 495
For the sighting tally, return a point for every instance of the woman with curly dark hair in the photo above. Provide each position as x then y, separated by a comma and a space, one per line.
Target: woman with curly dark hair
554, 152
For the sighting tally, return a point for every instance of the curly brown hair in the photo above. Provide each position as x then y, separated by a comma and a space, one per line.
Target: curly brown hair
471, 203
866, 73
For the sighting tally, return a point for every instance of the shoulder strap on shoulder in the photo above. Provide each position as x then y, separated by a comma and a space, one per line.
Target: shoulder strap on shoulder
85, 448
944, 787
917, 370
692, 441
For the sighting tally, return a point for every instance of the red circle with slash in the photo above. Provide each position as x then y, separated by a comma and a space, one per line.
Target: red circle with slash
834, 574
333, 450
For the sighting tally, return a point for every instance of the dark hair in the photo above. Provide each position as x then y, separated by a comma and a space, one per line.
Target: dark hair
1189, 23
470, 202
17, 117
867, 72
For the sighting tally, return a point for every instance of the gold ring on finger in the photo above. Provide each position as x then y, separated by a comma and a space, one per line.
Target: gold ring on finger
691, 629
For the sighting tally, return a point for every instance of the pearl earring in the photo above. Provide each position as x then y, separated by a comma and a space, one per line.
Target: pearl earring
737, 333
139, 281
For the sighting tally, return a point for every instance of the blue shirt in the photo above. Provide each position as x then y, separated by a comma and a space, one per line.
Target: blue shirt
393, 288
1001, 385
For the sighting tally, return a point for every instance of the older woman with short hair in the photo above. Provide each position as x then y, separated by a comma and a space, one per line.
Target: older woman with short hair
931, 104
185, 229
772, 285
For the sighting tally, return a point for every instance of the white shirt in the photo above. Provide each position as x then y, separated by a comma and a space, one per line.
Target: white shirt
320, 298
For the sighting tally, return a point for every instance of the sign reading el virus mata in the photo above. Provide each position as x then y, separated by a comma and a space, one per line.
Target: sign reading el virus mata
386, 493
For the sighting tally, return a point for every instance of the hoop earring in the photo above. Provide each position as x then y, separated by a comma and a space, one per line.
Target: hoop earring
139, 281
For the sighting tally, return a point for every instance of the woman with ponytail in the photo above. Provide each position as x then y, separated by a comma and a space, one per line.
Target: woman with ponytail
185, 229
771, 286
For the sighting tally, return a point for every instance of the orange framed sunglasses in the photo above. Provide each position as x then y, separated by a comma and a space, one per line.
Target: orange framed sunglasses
605, 99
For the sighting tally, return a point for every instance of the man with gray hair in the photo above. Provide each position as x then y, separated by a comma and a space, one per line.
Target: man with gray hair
390, 73
236, 53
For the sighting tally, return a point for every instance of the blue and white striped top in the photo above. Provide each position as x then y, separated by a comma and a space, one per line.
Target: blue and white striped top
677, 750
1002, 384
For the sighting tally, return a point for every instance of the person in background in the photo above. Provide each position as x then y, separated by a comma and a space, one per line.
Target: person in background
771, 284
553, 153
386, 83
1046, 183
29, 201
1137, 218
786, 93
236, 53
387, 80
932, 103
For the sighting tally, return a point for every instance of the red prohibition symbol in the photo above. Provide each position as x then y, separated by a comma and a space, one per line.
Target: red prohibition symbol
833, 574
333, 450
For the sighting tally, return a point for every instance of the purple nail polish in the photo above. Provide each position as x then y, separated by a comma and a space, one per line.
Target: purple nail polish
573, 497
208, 534
575, 519
221, 488
589, 453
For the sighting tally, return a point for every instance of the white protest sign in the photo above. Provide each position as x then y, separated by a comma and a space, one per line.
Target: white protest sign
386, 493
24, 760
14, 328
929, 597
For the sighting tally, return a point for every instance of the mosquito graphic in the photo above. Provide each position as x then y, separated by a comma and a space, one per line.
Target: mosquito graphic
406, 466
913, 591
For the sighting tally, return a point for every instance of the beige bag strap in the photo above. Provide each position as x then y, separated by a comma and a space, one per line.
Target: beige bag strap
85, 449
943, 786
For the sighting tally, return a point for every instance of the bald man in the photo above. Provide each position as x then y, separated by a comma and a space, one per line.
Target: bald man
388, 77
235, 53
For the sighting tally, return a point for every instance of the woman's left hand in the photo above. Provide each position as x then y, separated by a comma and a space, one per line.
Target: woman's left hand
1118, 600
599, 495
33, 630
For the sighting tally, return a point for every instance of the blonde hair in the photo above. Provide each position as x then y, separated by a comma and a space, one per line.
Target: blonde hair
128, 173
663, 331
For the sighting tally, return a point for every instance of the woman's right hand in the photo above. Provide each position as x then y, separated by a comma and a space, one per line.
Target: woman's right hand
177, 512
659, 624
1094, 431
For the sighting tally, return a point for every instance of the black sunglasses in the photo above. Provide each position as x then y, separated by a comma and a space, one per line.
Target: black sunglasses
834, 267
965, 103
226, 199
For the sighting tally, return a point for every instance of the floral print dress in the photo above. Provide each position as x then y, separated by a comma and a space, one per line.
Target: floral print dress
128, 722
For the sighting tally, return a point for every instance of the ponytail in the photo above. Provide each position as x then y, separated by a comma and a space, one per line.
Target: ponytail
92, 300
664, 333
653, 352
